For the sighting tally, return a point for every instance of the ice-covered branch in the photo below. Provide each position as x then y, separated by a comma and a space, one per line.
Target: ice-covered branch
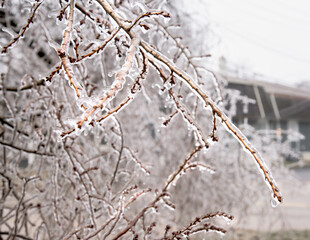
198, 224
67, 32
63, 53
205, 99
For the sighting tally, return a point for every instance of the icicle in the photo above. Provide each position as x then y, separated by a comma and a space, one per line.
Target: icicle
274, 201
218, 232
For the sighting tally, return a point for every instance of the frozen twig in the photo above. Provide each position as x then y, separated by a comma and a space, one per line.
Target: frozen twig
20, 236
22, 32
117, 84
198, 225
100, 48
120, 152
168, 120
174, 176
144, 169
55, 183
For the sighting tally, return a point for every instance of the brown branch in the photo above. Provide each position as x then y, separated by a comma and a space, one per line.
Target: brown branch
136, 196
214, 138
69, 72
133, 90
190, 228
188, 117
220, 114
101, 228
16, 236
181, 168
168, 120
62, 12
57, 69
82, 10
120, 211
138, 216
30, 20
66, 35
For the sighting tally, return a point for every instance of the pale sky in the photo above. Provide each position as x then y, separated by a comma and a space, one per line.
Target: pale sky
269, 37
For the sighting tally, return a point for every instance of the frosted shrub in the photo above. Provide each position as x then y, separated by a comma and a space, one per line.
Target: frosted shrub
110, 127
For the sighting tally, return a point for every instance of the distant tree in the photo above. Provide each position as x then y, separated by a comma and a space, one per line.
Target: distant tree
109, 124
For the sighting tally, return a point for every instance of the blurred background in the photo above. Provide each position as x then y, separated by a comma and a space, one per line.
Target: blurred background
261, 49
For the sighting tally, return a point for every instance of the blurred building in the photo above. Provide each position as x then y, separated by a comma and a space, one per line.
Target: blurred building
281, 109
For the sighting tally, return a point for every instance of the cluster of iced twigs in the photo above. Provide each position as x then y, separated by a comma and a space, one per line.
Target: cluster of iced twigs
140, 53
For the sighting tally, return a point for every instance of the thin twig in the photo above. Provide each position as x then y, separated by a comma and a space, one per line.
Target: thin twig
30, 20
118, 83
120, 152
148, 14
26, 150
16, 236
97, 50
